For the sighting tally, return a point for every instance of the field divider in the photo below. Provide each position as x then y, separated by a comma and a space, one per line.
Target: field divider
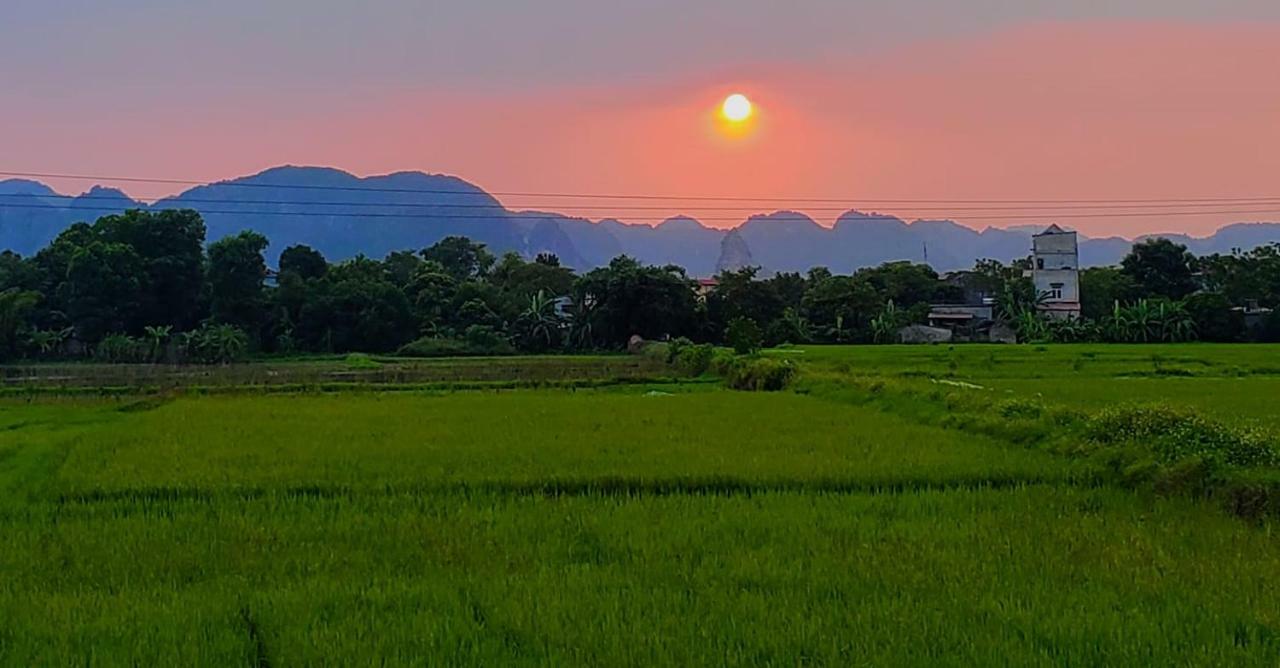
605, 487
342, 387
1164, 450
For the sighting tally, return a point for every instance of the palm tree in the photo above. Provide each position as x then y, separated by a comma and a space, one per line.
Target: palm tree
1031, 326
220, 343
156, 338
1015, 297
884, 327
579, 330
540, 322
797, 324
47, 341
838, 333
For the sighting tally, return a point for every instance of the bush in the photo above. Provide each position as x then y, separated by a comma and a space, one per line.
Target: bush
360, 361
121, 349
743, 335
478, 341
1173, 435
433, 346
217, 344
1024, 409
1252, 495
675, 347
722, 362
694, 360
760, 374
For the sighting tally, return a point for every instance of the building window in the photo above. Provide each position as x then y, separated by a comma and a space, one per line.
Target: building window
1055, 291
1039, 263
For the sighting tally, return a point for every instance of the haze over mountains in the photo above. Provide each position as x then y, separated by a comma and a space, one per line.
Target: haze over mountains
343, 215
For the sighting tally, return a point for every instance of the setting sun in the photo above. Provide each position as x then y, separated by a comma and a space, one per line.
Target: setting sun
736, 107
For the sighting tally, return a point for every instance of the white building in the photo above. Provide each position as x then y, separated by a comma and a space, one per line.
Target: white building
1055, 270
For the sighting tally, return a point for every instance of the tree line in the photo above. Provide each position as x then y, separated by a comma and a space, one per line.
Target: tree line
144, 286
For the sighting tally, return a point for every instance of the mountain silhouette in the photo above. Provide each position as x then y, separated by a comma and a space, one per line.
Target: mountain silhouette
343, 215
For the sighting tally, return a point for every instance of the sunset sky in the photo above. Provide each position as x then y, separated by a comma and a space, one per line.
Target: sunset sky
892, 99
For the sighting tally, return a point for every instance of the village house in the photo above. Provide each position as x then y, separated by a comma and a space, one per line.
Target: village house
1055, 271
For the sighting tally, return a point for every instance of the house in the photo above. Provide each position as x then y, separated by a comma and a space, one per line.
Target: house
705, 287
1055, 271
952, 316
970, 287
970, 322
969, 312
1253, 315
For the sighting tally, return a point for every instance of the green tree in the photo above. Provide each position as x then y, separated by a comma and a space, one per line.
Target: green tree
170, 247
744, 336
237, 272
519, 280
1244, 276
740, 294
629, 298
431, 295
1161, 268
15, 306
1101, 288
1214, 318
905, 283
103, 288
460, 257
357, 315
840, 308
400, 267
303, 261
790, 288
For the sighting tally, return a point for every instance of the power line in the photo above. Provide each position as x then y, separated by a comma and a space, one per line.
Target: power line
632, 207
481, 193
502, 215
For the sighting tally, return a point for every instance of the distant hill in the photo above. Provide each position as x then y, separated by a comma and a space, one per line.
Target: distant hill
343, 215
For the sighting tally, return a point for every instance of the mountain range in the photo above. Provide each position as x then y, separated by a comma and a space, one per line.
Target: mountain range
343, 215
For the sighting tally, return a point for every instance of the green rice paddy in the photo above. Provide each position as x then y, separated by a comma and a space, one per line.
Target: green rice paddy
631, 525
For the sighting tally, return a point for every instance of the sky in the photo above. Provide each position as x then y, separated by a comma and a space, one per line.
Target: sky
857, 100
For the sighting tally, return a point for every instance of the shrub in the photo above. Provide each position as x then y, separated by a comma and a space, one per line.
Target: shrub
360, 361
743, 335
760, 374
217, 344
722, 362
694, 360
478, 341
675, 347
485, 338
1174, 434
433, 346
1252, 495
121, 349
1025, 409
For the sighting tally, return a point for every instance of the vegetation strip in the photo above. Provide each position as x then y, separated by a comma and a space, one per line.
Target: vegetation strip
603, 488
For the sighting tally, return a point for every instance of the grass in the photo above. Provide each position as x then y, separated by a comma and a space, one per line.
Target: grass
321, 372
593, 440
1230, 382
921, 523
1039, 574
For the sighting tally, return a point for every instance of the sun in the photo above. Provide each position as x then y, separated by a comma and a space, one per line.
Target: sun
736, 108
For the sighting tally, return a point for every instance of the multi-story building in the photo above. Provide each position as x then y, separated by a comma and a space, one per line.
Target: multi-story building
1055, 270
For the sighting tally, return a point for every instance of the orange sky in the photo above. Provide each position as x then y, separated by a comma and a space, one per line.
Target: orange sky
1075, 110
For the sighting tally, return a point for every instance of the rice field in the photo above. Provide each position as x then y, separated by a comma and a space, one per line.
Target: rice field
626, 525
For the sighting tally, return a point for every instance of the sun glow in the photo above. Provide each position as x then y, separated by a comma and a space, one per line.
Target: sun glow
736, 108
